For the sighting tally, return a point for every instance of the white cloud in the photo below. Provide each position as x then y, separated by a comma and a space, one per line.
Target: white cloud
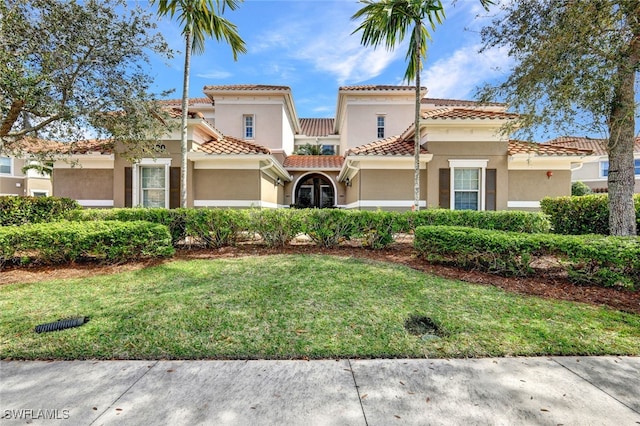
457, 75
324, 41
215, 75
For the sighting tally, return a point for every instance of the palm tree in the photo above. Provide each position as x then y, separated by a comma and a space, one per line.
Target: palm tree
388, 22
199, 19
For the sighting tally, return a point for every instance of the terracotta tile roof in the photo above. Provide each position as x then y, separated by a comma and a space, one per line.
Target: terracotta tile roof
247, 87
371, 87
177, 113
42, 146
192, 101
598, 146
522, 147
457, 102
461, 114
230, 145
390, 146
313, 162
317, 126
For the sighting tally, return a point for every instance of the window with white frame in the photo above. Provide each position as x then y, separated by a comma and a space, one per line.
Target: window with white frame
152, 186
466, 189
151, 182
380, 124
467, 184
39, 193
5, 165
604, 168
249, 126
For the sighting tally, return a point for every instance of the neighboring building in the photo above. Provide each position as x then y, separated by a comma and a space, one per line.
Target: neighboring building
242, 138
596, 172
13, 181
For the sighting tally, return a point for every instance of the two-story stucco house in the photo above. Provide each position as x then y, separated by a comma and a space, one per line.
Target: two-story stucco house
242, 139
595, 174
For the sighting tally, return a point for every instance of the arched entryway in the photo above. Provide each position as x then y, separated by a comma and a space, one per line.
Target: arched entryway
315, 191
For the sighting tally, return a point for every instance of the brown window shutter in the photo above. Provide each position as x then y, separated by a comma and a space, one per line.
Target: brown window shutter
445, 188
174, 187
490, 189
128, 187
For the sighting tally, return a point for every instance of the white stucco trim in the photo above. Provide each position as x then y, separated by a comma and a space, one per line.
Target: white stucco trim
382, 203
523, 204
237, 204
95, 203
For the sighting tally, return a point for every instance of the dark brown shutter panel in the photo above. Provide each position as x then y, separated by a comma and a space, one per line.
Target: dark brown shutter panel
128, 187
445, 188
174, 187
490, 190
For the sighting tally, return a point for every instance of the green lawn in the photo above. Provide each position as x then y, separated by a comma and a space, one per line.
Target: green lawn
296, 306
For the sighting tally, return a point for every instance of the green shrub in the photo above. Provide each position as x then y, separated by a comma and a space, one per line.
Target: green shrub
174, 219
595, 259
59, 242
277, 227
376, 228
516, 221
215, 227
17, 210
588, 214
327, 227
578, 189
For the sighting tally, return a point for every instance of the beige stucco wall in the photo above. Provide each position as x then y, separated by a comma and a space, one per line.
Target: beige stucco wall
84, 184
8, 186
589, 173
269, 192
172, 150
533, 185
393, 188
386, 185
38, 184
269, 118
494, 152
226, 185
361, 126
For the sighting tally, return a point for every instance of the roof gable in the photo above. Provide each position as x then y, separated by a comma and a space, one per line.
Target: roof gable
395, 146
230, 146
522, 147
598, 146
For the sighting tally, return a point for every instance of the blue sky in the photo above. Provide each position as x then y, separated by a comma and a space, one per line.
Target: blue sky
307, 45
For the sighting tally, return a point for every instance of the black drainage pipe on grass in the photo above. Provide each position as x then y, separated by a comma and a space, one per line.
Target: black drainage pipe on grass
61, 325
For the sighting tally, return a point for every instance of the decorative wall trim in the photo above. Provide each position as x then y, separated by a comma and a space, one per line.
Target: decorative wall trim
95, 203
523, 204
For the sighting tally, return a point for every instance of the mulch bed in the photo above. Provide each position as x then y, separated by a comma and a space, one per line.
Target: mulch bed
547, 283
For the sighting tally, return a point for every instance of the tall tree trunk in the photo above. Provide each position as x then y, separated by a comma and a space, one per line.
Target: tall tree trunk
621, 180
185, 117
416, 137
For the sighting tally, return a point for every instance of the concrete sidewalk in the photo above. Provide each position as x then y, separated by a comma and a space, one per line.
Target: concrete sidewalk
504, 391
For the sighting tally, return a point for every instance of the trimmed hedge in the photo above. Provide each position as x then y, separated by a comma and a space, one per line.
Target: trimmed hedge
326, 227
587, 214
594, 259
109, 241
515, 221
18, 210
